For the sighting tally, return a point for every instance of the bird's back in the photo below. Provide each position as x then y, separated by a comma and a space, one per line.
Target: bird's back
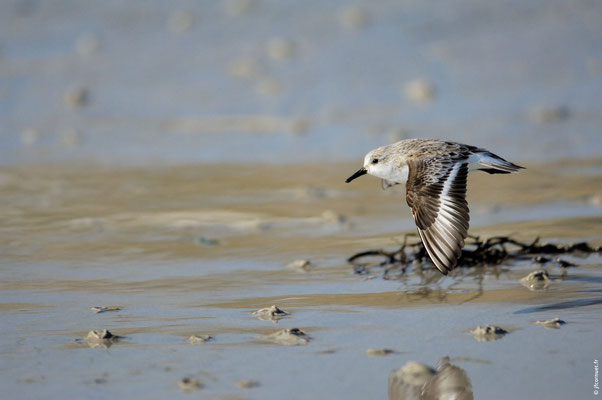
415, 149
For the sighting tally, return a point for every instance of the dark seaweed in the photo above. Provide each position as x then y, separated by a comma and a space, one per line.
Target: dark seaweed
491, 252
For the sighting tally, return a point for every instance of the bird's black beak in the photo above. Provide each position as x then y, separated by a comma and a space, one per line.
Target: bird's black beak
360, 172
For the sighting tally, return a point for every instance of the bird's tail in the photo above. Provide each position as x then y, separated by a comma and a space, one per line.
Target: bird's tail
494, 164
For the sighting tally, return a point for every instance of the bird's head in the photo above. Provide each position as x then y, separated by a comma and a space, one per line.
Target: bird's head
377, 162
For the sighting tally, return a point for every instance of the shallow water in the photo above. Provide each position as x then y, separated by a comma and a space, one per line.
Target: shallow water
196, 249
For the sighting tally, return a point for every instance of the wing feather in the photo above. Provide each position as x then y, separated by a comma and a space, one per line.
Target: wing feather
436, 193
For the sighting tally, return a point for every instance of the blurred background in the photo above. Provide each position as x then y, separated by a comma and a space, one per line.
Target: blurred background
157, 82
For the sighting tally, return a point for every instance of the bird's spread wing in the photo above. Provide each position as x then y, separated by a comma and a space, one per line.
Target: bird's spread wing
436, 192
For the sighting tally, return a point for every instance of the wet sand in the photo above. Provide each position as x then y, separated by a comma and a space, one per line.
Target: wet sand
195, 250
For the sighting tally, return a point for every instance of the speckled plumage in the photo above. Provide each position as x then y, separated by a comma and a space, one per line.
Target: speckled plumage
435, 173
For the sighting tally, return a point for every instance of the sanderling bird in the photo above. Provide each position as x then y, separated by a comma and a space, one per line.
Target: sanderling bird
435, 174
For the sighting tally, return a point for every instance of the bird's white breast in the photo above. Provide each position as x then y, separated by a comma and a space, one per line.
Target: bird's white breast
400, 174
390, 173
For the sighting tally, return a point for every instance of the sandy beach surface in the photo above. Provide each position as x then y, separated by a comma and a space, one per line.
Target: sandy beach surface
179, 263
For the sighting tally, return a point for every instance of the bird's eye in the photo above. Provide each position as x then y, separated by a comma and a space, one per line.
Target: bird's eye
375, 161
